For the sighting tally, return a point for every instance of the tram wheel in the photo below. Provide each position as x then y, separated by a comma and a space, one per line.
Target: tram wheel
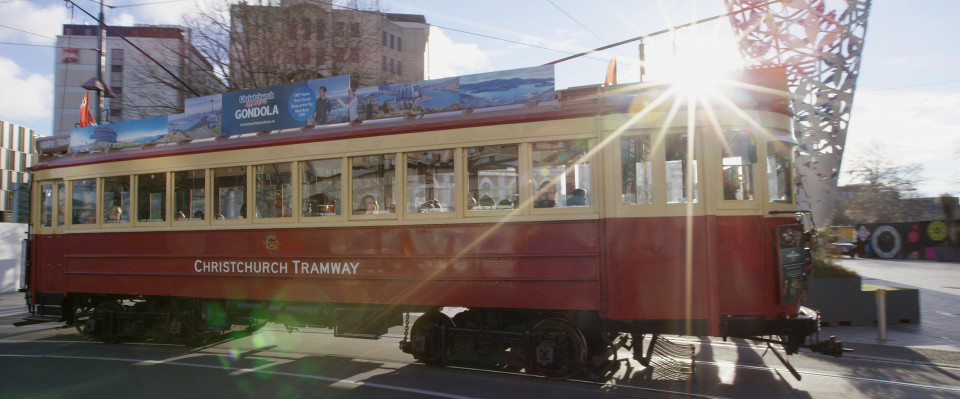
427, 340
108, 308
558, 343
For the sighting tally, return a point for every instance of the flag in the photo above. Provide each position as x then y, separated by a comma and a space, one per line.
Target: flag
611, 72
86, 119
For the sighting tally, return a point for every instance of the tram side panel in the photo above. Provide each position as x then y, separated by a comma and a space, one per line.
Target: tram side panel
553, 265
646, 261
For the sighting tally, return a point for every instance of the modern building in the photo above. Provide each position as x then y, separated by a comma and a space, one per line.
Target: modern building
17, 153
297, 40
142, 89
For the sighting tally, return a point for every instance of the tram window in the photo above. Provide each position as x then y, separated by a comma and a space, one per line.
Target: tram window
116, 199
430, 178
681, 169
321, 187
46, 205
84, 201
374, 184
189, 199
492, 174
739, 155
152, 197
637, 170
230, 192
274, 190
561, 174
780, 172
61, 203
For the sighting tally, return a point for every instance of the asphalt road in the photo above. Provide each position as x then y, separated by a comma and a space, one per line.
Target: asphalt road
47, 361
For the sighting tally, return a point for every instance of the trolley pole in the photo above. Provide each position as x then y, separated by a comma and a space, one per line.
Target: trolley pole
882, 314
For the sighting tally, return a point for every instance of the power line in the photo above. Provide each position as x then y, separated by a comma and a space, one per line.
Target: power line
29, 33
602, 40
915, 85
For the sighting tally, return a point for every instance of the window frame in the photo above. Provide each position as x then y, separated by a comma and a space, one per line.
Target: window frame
100, 193
532, 189
398, 196
167, 198
344, 164
457, 194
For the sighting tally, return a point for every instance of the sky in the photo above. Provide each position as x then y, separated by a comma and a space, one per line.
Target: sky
908, 90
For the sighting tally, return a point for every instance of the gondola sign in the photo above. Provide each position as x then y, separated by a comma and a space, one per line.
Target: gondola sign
794, 270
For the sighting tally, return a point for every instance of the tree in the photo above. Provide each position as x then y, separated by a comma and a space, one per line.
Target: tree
882, 191
244, 46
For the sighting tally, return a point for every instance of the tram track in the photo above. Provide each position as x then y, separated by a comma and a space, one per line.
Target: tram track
176, 351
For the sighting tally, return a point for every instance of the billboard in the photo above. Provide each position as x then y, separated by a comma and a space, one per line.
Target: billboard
319, 102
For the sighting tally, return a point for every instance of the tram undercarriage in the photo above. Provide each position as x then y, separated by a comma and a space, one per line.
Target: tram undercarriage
555, 344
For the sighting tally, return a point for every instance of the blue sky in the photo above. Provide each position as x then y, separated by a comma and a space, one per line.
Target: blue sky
908, 90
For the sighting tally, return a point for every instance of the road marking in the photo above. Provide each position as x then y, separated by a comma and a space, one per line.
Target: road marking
248, 370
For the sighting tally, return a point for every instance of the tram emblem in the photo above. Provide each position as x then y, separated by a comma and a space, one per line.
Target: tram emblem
271, 242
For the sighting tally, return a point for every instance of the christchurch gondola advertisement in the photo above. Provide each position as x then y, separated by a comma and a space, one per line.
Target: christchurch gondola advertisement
318, 102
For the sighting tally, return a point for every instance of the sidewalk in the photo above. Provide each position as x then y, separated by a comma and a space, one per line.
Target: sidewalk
936, 338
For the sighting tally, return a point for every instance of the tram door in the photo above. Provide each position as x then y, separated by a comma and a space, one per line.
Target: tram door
47, 249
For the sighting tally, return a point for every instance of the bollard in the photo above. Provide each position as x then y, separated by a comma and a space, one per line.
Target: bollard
882, 314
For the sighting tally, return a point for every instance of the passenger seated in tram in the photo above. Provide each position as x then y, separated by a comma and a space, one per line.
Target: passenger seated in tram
430, 206
546, 196
368, 205
486, 202
578, 197
505, 204
179, 216
115, 214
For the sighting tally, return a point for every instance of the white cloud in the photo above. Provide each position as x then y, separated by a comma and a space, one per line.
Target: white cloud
45, 21
33, 92
446, 58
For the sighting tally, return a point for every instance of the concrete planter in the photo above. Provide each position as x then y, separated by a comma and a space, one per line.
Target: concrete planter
947, 254
847, 302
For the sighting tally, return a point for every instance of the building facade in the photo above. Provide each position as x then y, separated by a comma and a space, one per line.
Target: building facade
297, 40
17, 153
142, 89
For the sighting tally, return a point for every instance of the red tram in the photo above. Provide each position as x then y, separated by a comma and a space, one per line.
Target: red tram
561, 229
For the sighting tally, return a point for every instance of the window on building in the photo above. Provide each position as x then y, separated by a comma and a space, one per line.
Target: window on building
341, 29
355, 29
430, 177
739, 153
392, 38
189, 195
116, 199
383, 36
321, 30
230, 192
274, 190
399, 68
492, 177
383, 63
152, 197
321, 56
779, 172
374, 184
681, 170
399, 43
561, 174
321, 187
307, 28
391, 65
636, 170
354, 55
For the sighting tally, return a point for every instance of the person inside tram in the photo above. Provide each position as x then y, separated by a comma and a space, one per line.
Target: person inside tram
115, 214
179, 216
578, 197
369, 205
546, 196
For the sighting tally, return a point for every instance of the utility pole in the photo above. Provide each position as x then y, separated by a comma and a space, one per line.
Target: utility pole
101, 49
